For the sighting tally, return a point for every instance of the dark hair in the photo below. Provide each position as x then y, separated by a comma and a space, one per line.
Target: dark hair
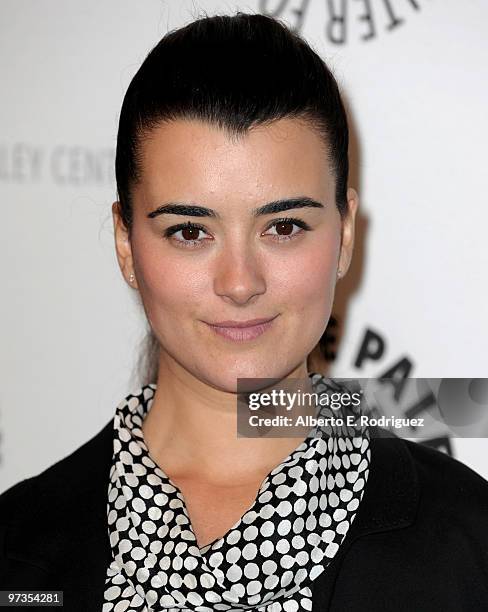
233, 72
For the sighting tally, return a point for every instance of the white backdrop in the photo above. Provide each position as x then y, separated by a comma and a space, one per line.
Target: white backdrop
414, 74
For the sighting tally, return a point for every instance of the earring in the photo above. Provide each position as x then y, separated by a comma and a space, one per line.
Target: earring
339, 273
131, 278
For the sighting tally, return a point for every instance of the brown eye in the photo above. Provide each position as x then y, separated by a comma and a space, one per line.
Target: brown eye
287, 229
284, 228
190, 233
187, 235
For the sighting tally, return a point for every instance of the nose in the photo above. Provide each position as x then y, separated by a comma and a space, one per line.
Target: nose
239, 276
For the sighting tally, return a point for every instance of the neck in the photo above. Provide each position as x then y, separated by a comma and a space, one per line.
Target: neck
191, 431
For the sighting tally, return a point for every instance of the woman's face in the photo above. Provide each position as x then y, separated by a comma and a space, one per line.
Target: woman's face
235, 263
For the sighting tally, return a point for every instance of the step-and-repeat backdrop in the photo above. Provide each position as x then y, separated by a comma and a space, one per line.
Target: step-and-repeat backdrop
414, 77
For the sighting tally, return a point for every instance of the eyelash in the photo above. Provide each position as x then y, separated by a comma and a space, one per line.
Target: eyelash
170, 231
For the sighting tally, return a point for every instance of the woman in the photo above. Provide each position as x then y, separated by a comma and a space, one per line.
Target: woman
233, 223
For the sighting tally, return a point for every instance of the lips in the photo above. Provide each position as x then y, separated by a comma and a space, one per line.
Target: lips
249, 323
240, 331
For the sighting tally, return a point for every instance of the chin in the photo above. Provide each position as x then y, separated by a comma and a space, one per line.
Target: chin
227, 376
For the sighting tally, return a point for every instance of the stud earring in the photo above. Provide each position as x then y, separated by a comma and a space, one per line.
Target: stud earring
339, 273
131, 278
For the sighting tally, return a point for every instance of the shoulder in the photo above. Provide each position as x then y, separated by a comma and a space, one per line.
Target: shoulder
442, 473
448, 485
446, 475
53, 525
439, 493
61, 485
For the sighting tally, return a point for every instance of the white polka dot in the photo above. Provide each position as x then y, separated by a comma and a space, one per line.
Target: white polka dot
339, 514
190, 563
271, 582
265, 497
175, 580
145, 491
190, 581
302, 557
267, 511
233, 537
250, 551
195, 599
253, 587
233, 555
267, 529
167, 601
112, 592
125, 545
266, 548
358, 485
282, 491
126, 457
250, 533
138, 553
251, 570
300, 506
287, 561
300, 487
139, 505
283, 546
149, 526
207, 580
139, 469
333, 500
234, 573
216, 559
122, 524
142, 574
279, 478
284, 508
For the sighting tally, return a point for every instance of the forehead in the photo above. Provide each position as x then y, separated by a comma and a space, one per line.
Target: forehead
191, 159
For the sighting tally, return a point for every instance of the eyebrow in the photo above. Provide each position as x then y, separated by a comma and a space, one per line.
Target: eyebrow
192, 210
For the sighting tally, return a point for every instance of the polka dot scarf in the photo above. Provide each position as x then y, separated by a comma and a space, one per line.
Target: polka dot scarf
267, 560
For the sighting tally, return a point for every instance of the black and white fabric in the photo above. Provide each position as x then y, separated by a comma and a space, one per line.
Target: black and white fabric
267, 560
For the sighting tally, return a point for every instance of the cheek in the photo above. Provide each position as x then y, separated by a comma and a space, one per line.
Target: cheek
168, 285
307, 277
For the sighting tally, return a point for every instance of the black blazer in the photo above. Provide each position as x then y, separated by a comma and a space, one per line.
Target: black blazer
419, 542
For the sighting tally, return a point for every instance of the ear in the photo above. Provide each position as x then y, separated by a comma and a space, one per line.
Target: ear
123, 247
347, 243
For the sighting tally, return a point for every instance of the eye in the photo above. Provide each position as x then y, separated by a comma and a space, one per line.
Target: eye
185, 234
285, 229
